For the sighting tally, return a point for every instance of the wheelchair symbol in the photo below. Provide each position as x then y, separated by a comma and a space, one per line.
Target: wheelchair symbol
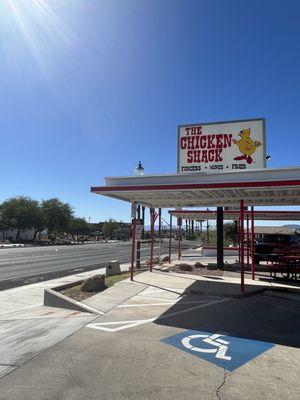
210, 339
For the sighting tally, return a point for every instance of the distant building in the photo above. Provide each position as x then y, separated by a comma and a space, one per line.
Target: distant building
123, 231
279, 233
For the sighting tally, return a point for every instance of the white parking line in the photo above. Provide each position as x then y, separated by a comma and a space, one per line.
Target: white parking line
129, 324
145, 305
161, 304
156, 298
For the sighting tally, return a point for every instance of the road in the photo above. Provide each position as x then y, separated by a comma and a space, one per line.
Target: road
21, 266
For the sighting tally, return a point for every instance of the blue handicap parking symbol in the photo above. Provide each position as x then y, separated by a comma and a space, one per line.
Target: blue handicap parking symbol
225, 351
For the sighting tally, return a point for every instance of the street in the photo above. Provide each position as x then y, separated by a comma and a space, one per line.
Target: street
21, 266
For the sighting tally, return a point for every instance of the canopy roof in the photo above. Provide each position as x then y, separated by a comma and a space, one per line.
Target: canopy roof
202, 215
256, 187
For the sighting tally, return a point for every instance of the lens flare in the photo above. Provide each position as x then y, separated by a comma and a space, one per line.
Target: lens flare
37, 27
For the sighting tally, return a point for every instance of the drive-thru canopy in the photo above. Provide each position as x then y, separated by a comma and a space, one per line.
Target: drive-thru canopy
256, 187
266, 187
269, 215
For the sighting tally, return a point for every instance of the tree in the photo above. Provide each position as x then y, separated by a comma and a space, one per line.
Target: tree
79, 226
230, 232
109, 227
40, 221
58, 215
19, 213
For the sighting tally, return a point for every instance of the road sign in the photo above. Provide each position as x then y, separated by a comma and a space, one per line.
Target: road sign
138, 228
225, 351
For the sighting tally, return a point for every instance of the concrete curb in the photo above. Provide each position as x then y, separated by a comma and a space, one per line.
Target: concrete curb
58, 300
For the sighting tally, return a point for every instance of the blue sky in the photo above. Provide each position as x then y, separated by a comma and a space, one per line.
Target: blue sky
89, 87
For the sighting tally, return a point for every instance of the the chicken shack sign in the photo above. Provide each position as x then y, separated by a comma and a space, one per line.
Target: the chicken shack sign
222, 146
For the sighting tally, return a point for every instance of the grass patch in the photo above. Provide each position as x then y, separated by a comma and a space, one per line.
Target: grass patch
77, 294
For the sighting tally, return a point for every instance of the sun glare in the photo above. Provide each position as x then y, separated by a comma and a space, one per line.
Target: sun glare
38, 25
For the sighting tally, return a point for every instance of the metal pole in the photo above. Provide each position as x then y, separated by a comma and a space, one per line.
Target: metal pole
143, 218
207, 232
239, 239
248, 237
138, 242
132, 248
186, 229
220, 239
159, 223
252, 245
192, 228
236, 232
152, 237
242, 248
179, 237
170, 238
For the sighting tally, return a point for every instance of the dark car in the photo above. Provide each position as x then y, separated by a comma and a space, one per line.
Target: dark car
272, 245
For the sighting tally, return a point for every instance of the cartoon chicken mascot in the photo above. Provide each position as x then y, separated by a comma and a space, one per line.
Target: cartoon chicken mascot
246, 145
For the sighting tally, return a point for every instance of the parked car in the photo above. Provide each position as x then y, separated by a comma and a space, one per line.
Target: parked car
272, 245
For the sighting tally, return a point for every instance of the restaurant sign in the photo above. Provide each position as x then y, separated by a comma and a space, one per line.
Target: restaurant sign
222, 146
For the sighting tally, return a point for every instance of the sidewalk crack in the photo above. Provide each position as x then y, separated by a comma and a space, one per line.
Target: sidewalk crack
221, 385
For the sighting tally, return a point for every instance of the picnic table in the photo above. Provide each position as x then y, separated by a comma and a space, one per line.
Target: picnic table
287, 264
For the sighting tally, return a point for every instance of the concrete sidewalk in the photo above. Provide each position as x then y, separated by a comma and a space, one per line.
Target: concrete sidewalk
27, 327
23, 298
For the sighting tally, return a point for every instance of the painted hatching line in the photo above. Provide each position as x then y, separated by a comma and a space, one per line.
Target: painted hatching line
159, 301
104, 326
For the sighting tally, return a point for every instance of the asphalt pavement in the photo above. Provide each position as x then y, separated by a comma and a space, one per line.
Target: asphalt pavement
21, 266
168, 343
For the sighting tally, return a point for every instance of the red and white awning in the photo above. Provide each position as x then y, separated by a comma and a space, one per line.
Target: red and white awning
263, 187
203, 215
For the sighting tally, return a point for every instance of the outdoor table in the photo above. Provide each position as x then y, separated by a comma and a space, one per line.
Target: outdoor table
292, 261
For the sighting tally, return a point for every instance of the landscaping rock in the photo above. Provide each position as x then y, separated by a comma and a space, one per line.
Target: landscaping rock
165, 259
155, 261
93, 284
185, 267
199, 265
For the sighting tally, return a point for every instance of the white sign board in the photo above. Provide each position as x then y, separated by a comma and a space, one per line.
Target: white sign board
222, 146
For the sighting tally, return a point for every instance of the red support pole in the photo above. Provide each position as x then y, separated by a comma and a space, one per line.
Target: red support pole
170, 238
179, 237
242, 248
132, 248
239, 238
252, 244
248, 237
152, 237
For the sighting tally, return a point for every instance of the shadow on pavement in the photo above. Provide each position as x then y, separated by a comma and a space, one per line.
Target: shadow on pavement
259, 317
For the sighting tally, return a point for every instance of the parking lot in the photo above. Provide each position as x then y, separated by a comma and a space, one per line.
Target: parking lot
171, 343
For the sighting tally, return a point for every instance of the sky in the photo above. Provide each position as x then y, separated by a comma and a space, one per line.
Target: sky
90, 87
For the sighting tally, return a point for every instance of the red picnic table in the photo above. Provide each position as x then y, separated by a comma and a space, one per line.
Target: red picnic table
288, 264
